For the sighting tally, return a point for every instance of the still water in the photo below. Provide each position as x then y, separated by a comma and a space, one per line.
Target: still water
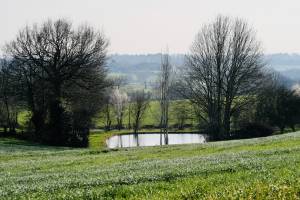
153, 139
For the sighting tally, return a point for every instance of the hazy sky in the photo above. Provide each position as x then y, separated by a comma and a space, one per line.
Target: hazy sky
148, 26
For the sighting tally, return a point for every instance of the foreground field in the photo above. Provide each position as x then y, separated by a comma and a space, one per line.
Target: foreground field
266, 168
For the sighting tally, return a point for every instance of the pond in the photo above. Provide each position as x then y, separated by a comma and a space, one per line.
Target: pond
153, 139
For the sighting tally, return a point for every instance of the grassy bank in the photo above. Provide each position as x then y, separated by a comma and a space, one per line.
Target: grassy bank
265, 168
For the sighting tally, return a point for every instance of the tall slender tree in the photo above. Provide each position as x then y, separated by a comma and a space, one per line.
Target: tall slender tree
164, 86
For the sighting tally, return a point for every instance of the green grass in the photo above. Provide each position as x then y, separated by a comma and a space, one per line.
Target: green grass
262, 168
23, 118
97, 140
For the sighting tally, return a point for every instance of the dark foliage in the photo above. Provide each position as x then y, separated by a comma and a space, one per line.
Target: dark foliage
252, 130
278, 106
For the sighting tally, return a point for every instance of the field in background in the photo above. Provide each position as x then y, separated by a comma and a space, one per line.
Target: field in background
262, 168
152, 115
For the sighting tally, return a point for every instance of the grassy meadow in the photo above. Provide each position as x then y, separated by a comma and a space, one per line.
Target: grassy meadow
262, 168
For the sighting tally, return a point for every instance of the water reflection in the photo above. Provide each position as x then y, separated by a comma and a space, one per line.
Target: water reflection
153, 139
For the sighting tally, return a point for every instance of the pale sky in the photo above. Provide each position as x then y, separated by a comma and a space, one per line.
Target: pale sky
149, 26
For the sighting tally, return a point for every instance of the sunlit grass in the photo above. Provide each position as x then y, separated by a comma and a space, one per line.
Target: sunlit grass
261, 168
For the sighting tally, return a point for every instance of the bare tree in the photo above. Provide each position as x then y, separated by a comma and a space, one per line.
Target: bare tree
58, 57
119, 101
245, 74
164, 86
106, 110
222, 72
139, 104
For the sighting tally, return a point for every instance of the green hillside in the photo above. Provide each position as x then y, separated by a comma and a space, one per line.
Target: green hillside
264, 168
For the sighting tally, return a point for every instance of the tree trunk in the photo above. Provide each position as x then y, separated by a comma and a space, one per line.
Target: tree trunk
282, 128
227, 116
137, 122
129, 115
108, 121
293, 127
56, 121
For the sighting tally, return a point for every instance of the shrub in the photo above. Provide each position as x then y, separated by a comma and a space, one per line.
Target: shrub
149, 126
252, 130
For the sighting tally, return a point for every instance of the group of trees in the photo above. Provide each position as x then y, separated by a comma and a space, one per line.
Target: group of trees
225, 75
59, 72
134, 104
278, 105
119, 103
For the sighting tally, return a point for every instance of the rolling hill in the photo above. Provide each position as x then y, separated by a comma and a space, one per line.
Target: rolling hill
145, 68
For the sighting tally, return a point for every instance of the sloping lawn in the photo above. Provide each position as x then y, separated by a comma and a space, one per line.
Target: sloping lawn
262, 168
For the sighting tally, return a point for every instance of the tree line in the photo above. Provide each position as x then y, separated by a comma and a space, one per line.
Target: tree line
58, 73
226, 76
